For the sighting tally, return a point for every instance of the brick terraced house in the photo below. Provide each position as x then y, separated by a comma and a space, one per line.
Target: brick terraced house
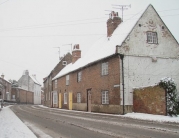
135, 53
48, 80
5, 88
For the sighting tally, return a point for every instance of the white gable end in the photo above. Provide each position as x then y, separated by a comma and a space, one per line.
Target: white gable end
136, 43
145, 63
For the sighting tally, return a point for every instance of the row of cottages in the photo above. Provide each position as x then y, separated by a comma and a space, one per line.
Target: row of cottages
48, 80
136, 53
28, 83
5, 88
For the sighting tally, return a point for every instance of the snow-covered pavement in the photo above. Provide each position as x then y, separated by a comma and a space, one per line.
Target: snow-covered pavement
12, 127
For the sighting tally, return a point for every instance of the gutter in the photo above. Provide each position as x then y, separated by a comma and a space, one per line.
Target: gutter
122, 59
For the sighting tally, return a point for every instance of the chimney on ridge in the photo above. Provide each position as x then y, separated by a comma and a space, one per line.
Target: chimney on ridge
2, 76
76, 53
112, 23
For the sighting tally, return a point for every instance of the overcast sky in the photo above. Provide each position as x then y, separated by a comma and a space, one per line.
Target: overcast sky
30, 30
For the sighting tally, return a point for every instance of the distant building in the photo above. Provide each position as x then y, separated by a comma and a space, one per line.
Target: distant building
64, 61
30, 83
5, 88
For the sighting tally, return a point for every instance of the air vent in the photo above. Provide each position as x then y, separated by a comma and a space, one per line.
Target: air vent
64, 63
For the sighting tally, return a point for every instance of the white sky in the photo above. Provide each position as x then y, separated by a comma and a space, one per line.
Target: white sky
30, 29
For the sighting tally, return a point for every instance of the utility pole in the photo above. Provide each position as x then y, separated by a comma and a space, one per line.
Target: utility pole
122, 7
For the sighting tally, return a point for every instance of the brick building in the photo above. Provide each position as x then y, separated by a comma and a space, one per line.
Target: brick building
48, 80
135, 53
5, 88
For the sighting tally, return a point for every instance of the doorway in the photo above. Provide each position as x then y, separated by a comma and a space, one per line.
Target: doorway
89, 100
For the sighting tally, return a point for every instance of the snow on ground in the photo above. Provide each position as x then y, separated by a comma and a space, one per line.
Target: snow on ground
12, 127
150, 117
140, 116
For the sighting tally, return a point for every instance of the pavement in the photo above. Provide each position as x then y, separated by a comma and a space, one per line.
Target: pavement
12, 127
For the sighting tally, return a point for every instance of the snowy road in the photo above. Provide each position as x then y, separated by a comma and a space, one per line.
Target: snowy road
47, 123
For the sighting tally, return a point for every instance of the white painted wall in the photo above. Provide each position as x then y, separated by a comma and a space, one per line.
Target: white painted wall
139, 70
37, 94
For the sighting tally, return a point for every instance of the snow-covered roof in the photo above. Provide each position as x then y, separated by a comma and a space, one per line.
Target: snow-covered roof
6, 79
35, 80
104, 47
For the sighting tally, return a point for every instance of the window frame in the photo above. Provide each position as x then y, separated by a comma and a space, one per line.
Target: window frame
55, 98
65, 98
78, 96
104, 68
105, 97
56, 84
152, 37
67, 79
79, 75
49, 96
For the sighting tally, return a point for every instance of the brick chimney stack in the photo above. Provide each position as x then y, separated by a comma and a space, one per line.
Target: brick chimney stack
2, 76
112, 23
76, 53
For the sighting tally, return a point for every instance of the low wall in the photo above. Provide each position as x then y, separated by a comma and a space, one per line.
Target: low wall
149, 100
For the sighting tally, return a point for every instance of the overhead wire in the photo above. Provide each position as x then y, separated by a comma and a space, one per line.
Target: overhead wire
57, 24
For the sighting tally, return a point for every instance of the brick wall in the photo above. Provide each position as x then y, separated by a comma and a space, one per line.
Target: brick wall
92, 78
22, 96
149, 100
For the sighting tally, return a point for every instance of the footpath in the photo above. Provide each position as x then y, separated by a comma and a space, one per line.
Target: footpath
12, 127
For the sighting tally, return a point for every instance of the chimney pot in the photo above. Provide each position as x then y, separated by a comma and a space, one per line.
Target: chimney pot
112, 23
76, 53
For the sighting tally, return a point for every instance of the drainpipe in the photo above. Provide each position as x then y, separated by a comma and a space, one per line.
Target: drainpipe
122, 59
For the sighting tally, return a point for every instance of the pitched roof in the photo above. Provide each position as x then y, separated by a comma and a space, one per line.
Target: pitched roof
35, 80
105, 46
6, 79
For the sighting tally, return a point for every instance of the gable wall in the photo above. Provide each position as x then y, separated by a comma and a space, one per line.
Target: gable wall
140, 71
48, 83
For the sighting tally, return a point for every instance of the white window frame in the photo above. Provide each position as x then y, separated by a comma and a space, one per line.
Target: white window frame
55, 98
65, 98
55, 83
79, 76
67, 79
105, 97
152, 37
78, 97
49, 96
104, 68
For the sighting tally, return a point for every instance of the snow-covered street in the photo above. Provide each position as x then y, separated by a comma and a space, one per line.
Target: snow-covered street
12, 127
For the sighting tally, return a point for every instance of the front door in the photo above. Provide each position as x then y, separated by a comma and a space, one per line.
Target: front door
89, 100
70, 100
60, 101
